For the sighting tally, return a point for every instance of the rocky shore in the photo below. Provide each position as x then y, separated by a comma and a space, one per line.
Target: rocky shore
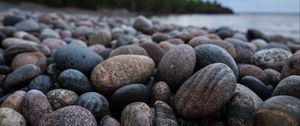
61, 69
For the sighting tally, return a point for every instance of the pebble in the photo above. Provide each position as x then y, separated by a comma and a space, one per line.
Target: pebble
36, 107
207, 54
21, 77
36, 58
137, 114
11, 20
128, 50
74, 80
96, 103
255, 34
158, 37
291, 67
257, 86
59, 98
70, 115
28, 25
141, 23
154, 52
8, 42
108, 121
273, 75
176, 65
128, 94
74, 56
271, 58
48, 33
8, 31
121, 70
14, 101
244, 50
252, 70
161, 91
165, 45
42, 83
206, 91
10, 117
10, 53
164, 115
288, 86
280, 110
102, 37
53, 43
245, 91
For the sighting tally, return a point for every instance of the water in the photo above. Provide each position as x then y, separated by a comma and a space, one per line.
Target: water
270, 24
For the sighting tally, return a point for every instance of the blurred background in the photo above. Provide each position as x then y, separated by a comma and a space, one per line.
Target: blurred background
269, 16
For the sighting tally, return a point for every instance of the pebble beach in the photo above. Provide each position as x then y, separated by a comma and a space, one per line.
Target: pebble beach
59, 69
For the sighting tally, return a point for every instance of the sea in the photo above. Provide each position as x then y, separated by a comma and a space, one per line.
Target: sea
286, 24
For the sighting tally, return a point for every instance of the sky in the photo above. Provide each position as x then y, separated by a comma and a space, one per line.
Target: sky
274, 6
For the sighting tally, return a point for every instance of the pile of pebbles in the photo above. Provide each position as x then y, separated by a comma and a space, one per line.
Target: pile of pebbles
62, 70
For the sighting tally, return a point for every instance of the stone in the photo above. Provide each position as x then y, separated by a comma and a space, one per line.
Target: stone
207, 54
154, 52
257, 86
70, 115
128, 50
36, 106
108, 121
8, 42
244, 50
291, 67
176, 65
161, 91
59, 98
137, 114
256, 34
121, 70
74, 80
102, 37
11, 20
28, 25
42, 83
36, 58
206, 91
10, 117
74, 56
14, 101
288, 86
53, 43
252, 70
21, 77
96, 103
164, 115
273, 75
141, 23
271, 58
245, 91
10, 53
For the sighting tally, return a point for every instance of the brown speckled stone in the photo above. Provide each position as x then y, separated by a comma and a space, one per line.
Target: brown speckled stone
69, 116
9, 117
121, 70
14, 101
137, 114
108, 121
36, 106
165, 45
206, 91
59, 98
161, 91
280, 110
248, 69
128, 50
176, 65
101, 37
36, 58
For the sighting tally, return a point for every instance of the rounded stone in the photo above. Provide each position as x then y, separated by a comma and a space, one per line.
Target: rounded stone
108, 121
54, 43
121, 70
28, 25
21, 77
74, 80
291, 67
271, 58
288, 86
8, 42
128, 94
273, 76
53, 71
206, 91
252, 70
137, 114
207, 54
97, 48
36, 58
245, 91
205, 40
154, 52
102, 37
70, 115
259, 43
59, 98
244, 50
128, 50
141, 23
279, 111
10, 53
255, 34
164, 115
36, 106
165, 45
175, 41
257, 86
158, 37
161, 91
96, 103
11, 20
14, 101
42, 83
9, 117
176, 65
5, 69
74, 56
